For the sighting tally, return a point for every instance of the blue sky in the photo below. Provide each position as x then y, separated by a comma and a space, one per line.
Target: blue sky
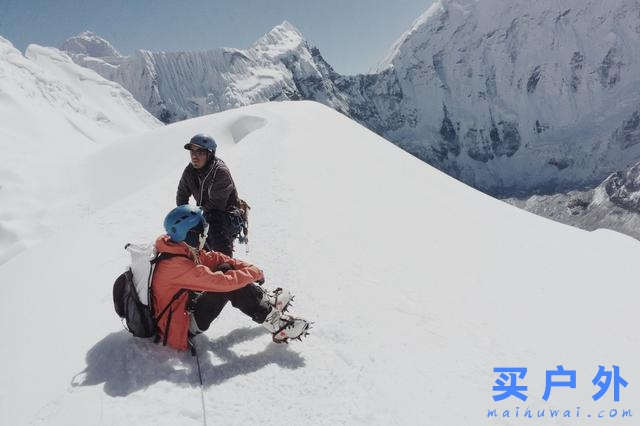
352, 35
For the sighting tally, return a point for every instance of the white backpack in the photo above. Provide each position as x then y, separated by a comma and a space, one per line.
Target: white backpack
132, 292
143, 263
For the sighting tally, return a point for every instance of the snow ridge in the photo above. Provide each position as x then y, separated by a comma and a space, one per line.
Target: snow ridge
52, 113
477, 282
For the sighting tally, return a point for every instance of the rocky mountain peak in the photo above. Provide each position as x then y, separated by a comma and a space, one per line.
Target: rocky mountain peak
282, 37
89, 44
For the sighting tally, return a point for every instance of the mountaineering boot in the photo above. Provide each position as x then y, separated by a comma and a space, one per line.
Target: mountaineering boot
280, 299
284, 327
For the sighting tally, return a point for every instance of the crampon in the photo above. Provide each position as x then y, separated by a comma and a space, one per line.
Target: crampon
296, 329
279, 298
285, 327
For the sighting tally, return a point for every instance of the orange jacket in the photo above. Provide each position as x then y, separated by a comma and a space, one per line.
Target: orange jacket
180, 272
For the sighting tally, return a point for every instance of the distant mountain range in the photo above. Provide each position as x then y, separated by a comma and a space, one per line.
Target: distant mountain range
515, 98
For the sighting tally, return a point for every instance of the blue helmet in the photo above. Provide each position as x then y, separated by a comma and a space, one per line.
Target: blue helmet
203, 141
182, 219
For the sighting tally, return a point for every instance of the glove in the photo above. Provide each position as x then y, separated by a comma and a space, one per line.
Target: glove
224, 267
261, 280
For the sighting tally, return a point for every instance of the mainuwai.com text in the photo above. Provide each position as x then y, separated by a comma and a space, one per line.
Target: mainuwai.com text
575, 413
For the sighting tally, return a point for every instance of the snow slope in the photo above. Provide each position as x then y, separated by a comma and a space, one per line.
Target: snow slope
418, 284
52, 113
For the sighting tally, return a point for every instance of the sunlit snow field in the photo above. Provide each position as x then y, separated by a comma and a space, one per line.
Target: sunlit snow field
418, 285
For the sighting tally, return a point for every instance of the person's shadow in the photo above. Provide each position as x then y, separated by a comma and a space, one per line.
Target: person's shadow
126, 364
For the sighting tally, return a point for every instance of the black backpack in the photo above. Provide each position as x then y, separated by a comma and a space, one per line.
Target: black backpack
231, 224
137, 315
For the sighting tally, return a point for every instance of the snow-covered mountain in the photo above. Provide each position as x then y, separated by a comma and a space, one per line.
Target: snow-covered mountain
521, 96
509, 96
419, 287
614, 204
44, 94
90, 45
52, 113
174, 86
515, 98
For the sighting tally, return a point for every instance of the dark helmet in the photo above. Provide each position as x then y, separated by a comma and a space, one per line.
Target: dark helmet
187, 223
203, 141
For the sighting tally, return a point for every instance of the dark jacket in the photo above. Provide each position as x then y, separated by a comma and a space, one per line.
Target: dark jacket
211, 186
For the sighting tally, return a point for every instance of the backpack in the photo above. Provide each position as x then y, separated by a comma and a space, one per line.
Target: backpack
132, 296
243, 234
231, 224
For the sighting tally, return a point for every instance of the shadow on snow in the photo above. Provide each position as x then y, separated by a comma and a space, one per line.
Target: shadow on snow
126, 364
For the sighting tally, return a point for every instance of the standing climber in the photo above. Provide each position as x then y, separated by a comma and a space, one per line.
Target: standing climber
208, 179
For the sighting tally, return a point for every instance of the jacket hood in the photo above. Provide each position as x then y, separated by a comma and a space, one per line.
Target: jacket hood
164, 244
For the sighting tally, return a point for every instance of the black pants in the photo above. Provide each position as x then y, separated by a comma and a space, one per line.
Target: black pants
220, 243
208, 306
221, 232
